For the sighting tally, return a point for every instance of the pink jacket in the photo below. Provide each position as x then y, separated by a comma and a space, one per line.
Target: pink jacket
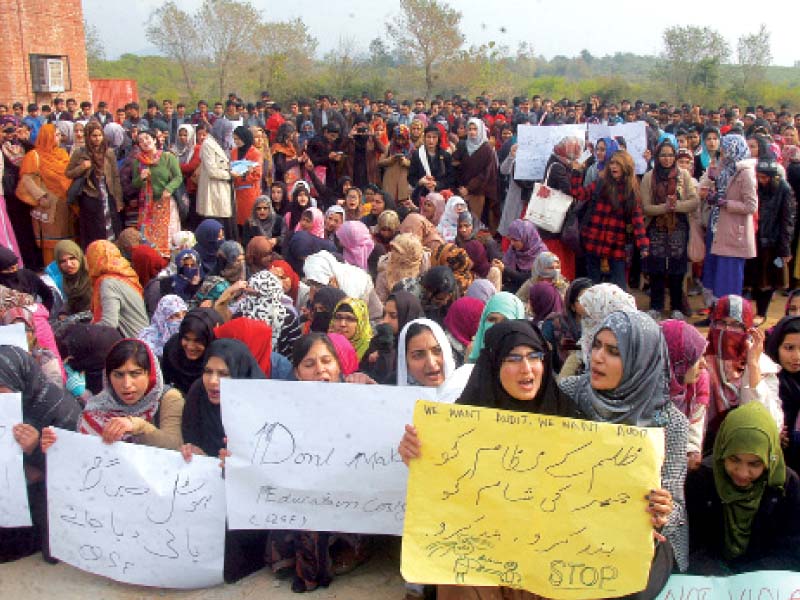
736, 235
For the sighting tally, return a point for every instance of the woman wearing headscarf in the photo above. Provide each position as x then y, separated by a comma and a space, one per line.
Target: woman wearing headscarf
544, 299
255, 334
264, 221
66, 134
563, 330
147, 262
84, 348
301, 245
43, 185
594, 305
184, 353
356, 242
265, 304
48, 361
689, 381
743, 502
166, 322
475, 165
285, 151
461, 324
294, 289
387, 228
448, 224
439, 290
325, 300
231, 262
77, 286
433, 206
500, 307
783, 347
322, 268
396, 162
404, 260
731, 193
258, 254
629, 384
351, 320
378, 202
312, 220
43, 405
23, 280
247, 187
525, 245
184, 282
668, 197
450, 255
261, 143
482, 289
604, 149
209, 236
423, 229
158, 177
100, 198
214, 181
424, 355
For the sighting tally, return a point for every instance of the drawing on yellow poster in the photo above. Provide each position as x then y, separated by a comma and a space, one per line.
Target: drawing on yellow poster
550, 505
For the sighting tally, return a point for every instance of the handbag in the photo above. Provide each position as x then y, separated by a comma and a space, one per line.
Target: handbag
182, 202
696, 248
548, 213
22, 190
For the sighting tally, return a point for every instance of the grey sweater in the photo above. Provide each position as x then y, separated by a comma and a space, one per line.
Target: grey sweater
123, 307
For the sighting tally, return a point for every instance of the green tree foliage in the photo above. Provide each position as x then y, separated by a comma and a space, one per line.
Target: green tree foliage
692, 58
754, 55
172, 31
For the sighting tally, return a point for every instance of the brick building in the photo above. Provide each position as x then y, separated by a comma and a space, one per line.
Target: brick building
45, 51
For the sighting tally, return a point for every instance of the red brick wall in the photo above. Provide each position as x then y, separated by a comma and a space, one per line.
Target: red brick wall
41, 27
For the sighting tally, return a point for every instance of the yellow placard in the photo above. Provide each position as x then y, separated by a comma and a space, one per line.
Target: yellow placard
550, 505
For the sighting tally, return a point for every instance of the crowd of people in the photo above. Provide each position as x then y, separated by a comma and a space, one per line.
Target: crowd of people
151, 254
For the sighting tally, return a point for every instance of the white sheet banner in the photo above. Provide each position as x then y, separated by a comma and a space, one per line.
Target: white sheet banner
316, 456
14, 335
536, 145
634, 134
14, 510
136, 514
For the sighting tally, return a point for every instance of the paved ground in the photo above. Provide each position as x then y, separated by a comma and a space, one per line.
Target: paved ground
379, 579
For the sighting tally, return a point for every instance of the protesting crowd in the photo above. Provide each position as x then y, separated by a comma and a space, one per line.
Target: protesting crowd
151, 253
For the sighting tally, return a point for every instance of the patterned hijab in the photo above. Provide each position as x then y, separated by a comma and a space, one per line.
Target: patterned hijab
734, 150
162, 327
459, 262
105, 260
532, 245
598, 302
448, 224
686, 346
749, 429
363, 334
266, 305
404, 258
503, 303
726, 347
642, 396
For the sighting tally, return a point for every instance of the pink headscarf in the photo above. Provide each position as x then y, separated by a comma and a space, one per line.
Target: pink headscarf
357, 243
685, 346
463, 318
348, 359
317, 223
439, 202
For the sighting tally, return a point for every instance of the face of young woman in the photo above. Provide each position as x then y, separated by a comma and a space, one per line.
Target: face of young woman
794, 306
753, 145
464, 230
96, 137
202, 134
286, 282
183, 136
425, 359
303, 199
431, 141
192, 346
147, 143
521, 372
712, 142
213, 372
666, 157
68, 264
428, 210
472, 130
693, 373
390, 316
129, 382
744, 469
319, 364
237, 141
77, 132
352, 201
506, 135
276, 194
615, 169
378, 205
789, 353
606, 362
516, 244
306, 223
345, 323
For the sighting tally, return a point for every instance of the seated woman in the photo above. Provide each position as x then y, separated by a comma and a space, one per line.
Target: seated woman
23, 280
184, 352
321, 307
743, 502
563, 330
544, 299
166, 321
546, 267
116, 292
351, 320
525, 245
76, 286
48, 362
461, 324
406, 257
322, 268
439, 290
264, 221
43, 405
424, 356
184, 282
500, 307
84, 348
134, 405
783, 347
450, 255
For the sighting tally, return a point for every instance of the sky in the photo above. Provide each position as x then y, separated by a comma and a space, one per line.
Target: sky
552, 27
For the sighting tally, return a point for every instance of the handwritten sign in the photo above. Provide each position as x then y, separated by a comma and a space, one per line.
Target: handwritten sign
530, 502
136, 514
536, 145
14, 335
14, 511
759, 585
635, 135
316, 456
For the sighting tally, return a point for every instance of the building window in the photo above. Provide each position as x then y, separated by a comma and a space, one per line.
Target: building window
50, 73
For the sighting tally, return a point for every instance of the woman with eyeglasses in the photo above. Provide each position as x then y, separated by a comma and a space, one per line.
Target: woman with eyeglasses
351, 319
668, 196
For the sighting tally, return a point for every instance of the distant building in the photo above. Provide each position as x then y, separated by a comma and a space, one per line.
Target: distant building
44, 51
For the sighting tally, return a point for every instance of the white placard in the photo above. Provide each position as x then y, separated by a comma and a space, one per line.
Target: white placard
14, 335
634, 134
536, 144
136, 514
14, 511
316, 456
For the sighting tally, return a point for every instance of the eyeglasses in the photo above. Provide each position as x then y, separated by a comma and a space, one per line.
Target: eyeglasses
666, 156
530, 357
345, 318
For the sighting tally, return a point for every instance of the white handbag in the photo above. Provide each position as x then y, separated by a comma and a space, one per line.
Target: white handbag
548, 213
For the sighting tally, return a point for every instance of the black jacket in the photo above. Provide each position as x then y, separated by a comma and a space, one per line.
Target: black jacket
441, 166
776, 214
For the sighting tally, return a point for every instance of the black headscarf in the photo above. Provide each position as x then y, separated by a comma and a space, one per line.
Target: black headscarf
328, 297
86, 346
408, 308
484, 387
44, 404
23, 280
208, 243
244, 134
438, 280
789, 383
202, 420
176, 367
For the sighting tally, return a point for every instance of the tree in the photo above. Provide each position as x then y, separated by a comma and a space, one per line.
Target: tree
379, 54
226, 29
692, 56
172, 31
343, 65
282, 49
428, 32
95, 51
754, 55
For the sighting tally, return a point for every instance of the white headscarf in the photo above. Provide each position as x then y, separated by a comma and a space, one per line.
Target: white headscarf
441, 339
185, 151
474, 143
448, 224
354, 282
598, 302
